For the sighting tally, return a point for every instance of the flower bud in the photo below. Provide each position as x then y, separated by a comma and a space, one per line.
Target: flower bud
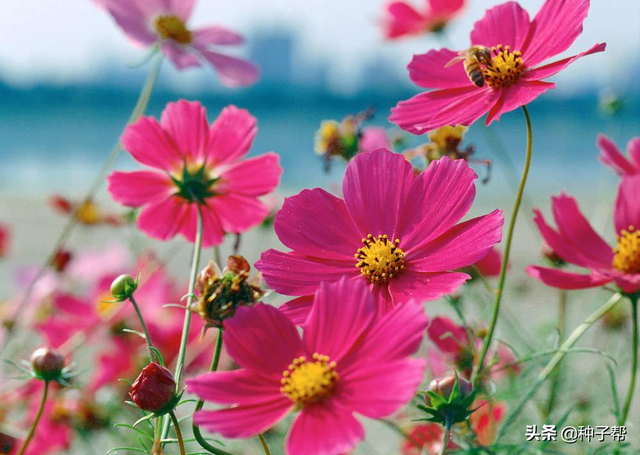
123, 287
47, 364
154, 390
445, 386
448, 400
61, 260
7, 443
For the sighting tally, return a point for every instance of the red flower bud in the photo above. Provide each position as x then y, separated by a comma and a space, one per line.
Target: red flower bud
154, 390
47, 364
61, 260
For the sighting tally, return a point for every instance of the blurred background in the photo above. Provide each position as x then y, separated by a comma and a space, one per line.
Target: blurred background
69, 79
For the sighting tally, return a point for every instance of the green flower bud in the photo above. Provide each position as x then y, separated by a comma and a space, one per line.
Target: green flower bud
448, 400
123, 287
47, 364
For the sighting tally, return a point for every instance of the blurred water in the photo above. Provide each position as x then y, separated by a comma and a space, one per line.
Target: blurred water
56, 139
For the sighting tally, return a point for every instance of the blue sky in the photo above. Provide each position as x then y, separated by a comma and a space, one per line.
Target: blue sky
72, 40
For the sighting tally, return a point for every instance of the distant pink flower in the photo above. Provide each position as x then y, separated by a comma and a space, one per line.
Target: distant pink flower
402, 19
4, 240
373, 138
201, 168
577, 243
394, 231
513, 77
611, 156
490, 265
334, 371
457, 351
429, 437
164, 22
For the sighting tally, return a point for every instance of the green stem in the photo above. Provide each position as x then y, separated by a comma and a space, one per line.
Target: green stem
445, 441
265, 447
414, 442
634, 363
507, 251
196, 429
147, 336
555, 360
114, 154
34, 425
555, 380
176, 426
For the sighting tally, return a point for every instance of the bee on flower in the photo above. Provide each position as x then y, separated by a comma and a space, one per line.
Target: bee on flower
347, 138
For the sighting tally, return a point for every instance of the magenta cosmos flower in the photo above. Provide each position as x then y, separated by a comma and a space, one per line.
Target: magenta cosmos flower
402, 19
512, 78
200, 168
394, 231
164, 22
576, 242
345, 358
611, 156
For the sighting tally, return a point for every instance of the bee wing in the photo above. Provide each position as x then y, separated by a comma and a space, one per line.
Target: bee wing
457, 59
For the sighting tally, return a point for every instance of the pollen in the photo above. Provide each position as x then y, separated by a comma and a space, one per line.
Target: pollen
309, 381
627, 253
173, 28
505, 67
380, 259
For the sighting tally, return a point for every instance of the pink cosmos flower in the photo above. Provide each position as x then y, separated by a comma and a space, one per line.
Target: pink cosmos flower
345, 358
577, 243
164, 23
611, 156
490, 265
201, 169
402, 19
373, 138
512, 78
456, 350
394, 231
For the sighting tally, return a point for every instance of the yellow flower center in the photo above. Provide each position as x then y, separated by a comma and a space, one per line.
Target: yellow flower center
174, 28
627, 258
505, 67
379, 260
307, 382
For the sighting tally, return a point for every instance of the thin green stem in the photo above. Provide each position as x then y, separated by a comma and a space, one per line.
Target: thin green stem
34, 425
265, 447
114, 154
555, 360
507, 251
147, 336
217, 257
445, 441
414, 442
634, 363
186, 326
555, 379
176, 426
196, 430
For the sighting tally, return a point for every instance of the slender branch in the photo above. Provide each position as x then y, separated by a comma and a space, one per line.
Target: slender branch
507, 251
414, 442
176, 425
265, 447
634, 363
555, 360
445, 441
147, 336
555, 379
34, 425
114, 154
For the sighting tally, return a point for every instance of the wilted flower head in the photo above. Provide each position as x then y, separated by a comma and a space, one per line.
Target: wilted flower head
402, 19
165, 23
512, 49
221, 293
154, 390
347, 138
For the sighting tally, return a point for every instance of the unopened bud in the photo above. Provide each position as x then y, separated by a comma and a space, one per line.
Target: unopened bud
123, 287
154, 390
445, 386
47, 364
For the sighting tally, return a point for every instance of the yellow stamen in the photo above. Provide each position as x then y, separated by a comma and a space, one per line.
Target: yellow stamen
307, 382
173, 28
505, 68
627, 253
379, 260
